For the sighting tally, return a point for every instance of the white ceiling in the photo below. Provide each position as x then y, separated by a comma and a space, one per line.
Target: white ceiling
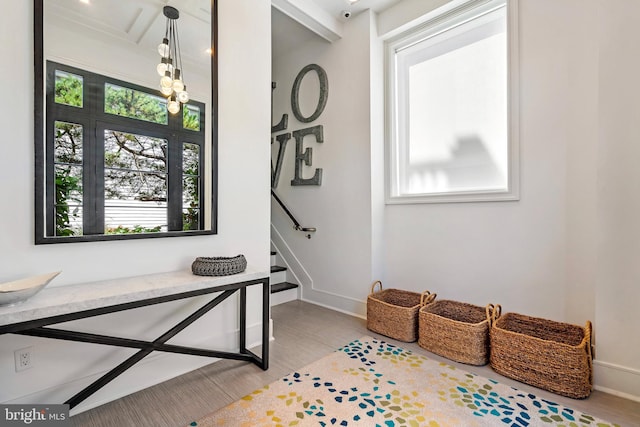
286, 33
141, 23
135, 24
335, 7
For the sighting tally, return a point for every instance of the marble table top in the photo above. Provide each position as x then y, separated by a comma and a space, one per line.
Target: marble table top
61, 300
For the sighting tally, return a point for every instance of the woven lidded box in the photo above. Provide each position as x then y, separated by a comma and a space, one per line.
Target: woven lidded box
457, 330
544, 353
394, 312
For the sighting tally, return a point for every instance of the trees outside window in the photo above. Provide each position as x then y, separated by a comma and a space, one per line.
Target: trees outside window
117, 162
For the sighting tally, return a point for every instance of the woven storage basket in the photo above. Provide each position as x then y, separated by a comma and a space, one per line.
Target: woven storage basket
550, 355
457, 330
394, 312
219, 266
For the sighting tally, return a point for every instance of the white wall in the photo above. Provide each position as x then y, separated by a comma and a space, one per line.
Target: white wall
618, 199
581, 169
512, 253
244, 99
565, 251
338, 256
560, 251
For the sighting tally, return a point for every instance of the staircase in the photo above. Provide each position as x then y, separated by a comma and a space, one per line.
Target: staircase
282, 290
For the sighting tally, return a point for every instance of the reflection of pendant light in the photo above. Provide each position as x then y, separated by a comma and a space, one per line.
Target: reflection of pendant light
171, 84
164, 65
172, 105
183, 96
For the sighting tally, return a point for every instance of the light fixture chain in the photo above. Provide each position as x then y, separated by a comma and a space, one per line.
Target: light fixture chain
166, 29
179, 59
172, 46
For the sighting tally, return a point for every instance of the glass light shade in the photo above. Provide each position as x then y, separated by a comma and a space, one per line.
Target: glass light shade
163, 48
166, 91
178, 85
164, 66
183, 96
166, 81
173, 106
161, 68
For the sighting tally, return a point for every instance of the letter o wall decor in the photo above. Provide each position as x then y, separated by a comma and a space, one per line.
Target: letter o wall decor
322, 99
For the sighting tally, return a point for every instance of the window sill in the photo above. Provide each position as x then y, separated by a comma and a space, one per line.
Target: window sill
454, 197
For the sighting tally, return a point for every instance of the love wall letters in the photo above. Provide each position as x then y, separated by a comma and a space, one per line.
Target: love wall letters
302, 154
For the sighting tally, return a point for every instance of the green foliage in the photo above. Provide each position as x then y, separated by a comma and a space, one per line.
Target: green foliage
191, 118
68, 143
68, 179
136, 229
191, 219
191, 186
66, 184
68, 89
134, 104
191, 170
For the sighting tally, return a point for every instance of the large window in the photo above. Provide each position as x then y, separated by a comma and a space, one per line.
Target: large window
117, 162
452, 124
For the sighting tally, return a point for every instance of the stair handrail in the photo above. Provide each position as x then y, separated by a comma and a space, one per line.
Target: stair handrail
296, 224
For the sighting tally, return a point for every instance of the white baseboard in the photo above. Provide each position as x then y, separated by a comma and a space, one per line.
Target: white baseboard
350, 313
285, 296
154, 369
616, 379
617, 393
308, 291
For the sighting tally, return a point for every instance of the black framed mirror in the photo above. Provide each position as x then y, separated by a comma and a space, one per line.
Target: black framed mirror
125, 119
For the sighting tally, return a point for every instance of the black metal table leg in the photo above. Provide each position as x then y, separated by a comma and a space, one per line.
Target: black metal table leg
266, 327
243, 320
115, 372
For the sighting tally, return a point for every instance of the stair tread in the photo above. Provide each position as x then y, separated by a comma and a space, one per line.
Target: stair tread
276, 268
283, 286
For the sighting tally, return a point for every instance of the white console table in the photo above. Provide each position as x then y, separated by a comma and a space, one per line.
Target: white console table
62, 304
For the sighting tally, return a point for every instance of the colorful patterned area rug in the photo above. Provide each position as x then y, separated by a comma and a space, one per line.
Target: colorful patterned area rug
370, 382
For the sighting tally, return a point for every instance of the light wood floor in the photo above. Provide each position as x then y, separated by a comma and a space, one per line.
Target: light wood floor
303, 333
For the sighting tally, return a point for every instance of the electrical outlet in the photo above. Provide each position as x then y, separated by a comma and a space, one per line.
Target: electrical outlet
23, 358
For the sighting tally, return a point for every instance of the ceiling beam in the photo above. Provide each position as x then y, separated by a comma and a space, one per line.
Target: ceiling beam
312, 16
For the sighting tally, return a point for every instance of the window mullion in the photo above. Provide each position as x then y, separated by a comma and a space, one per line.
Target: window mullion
174, 173
174, 183
94, 166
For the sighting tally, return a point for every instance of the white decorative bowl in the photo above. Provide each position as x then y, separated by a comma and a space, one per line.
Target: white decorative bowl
19, 290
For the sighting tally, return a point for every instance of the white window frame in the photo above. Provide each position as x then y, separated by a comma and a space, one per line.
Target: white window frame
451, 15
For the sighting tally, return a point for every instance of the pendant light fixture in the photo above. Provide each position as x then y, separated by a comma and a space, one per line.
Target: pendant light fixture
170, 67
